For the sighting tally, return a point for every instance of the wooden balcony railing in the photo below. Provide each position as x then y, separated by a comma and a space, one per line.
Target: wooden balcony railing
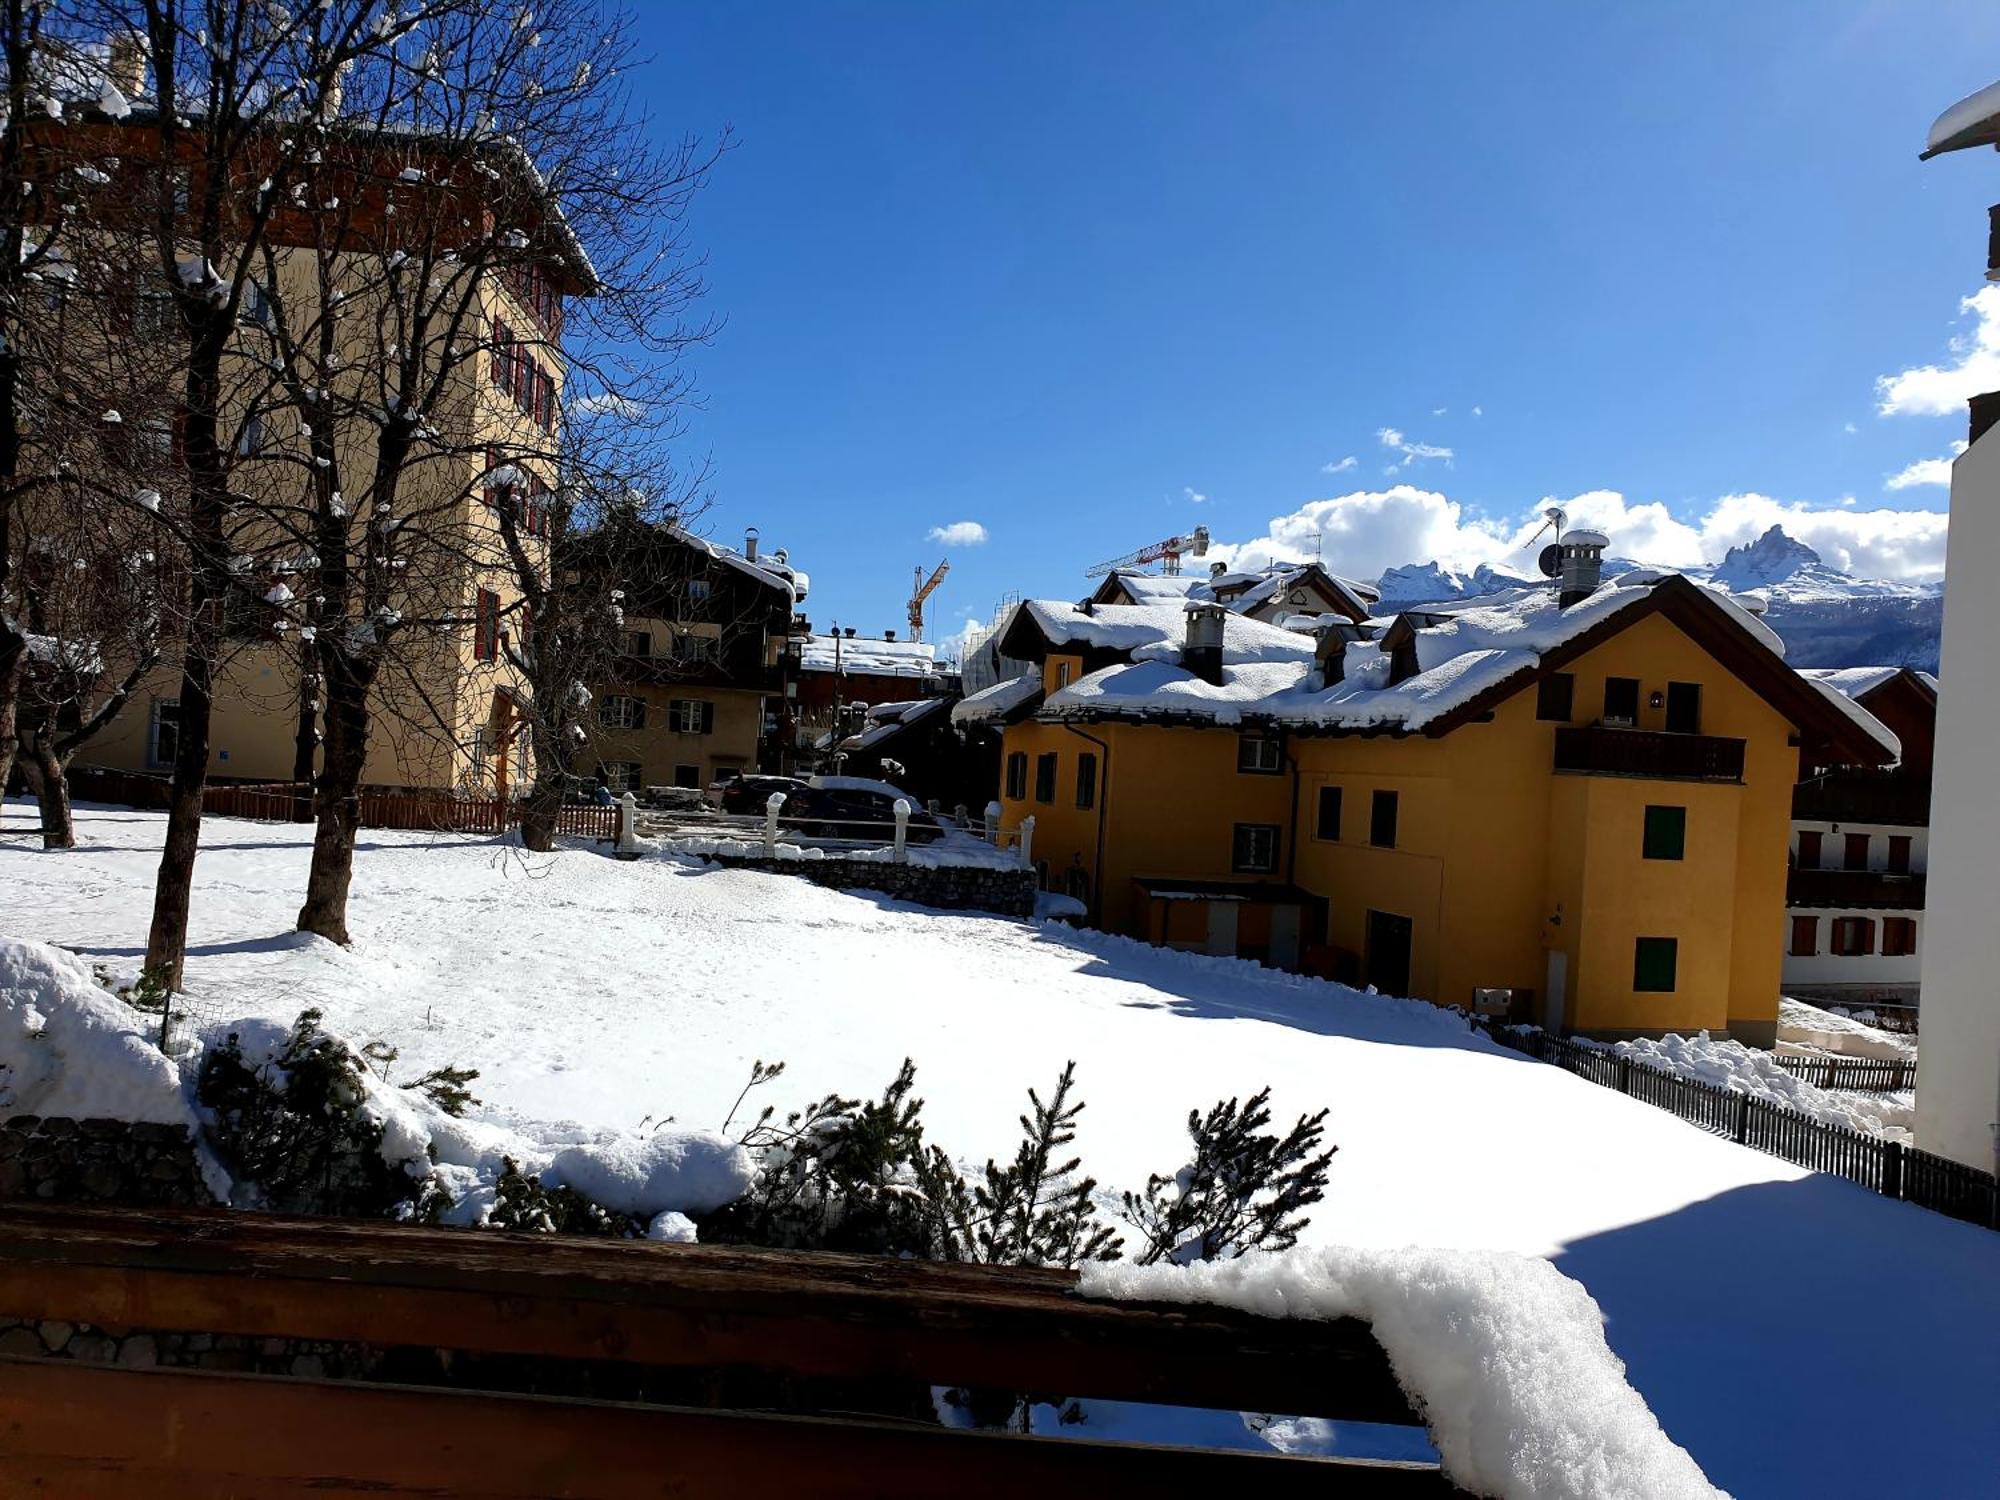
1601, 750
1834, 889
1893, 797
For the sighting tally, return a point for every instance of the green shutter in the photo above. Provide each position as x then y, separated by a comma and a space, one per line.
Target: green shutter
1666, 833
1654, 961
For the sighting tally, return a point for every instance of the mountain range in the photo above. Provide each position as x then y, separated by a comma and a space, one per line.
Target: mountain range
1827, 618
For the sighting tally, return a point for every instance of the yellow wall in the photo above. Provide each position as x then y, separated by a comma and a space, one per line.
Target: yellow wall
1497, 859
658, 748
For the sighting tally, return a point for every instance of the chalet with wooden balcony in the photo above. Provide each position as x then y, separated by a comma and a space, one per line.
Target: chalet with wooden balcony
1854, 906
1567, 804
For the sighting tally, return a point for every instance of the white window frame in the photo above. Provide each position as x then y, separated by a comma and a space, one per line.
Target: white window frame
687, 715
619, 711
153, 757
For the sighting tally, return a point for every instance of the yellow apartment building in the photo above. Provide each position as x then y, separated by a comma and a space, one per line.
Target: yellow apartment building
1570, 806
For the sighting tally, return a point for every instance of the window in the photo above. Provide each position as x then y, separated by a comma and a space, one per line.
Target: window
478, 753
691, 716
1086, 781
1899, 937
1805, 937
1654, 960
1327, 824
1017, 776
1621, 700
1063, 670
1853, 937
256, 304
503, 357
1899, 854
486, 626
1382, 820
1854, 856
621, 775
1666, 833
1683, 708
1045, 777
619, 711
638, 643
1254, 849
698, 591
687, 775
1555, 696
1809, 842
1259, 754
250, 437
164, 738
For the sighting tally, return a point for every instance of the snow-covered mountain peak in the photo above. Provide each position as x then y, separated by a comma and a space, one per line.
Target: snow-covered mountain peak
1773, 558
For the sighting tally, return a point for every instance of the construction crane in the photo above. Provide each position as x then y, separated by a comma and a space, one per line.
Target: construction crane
1167, 552
921, 589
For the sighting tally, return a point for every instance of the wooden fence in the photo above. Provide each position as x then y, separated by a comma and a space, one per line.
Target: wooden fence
745, 1372
426, 812
1881, 1075
1888, 1167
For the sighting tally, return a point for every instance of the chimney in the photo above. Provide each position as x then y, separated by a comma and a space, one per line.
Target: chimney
888, 635
750, 544
1216, 569
127, 67
1202, 655
1582, 556
1985, 414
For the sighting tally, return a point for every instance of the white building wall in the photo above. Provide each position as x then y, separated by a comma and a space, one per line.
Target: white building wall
1833, 844
1958, 1081
1826, 968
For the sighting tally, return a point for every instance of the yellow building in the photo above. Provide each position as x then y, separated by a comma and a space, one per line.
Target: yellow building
1570, 807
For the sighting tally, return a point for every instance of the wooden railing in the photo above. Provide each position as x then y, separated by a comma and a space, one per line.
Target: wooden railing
426, 812
1893, 797
1854, 888
749, 1372
1601, 750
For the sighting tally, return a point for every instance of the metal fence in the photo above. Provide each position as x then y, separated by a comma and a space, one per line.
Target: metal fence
1888, 1167
1880, 1075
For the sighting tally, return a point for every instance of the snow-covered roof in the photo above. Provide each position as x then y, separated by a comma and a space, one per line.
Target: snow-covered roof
886, 720
1858, 682
1476, 648
770, 570
996, 704
863, 784
1248, 590
1973, 121
868, 657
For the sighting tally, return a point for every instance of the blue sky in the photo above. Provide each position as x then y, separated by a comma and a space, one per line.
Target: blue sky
1057, 269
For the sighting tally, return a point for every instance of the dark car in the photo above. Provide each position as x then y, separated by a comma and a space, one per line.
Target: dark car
850, 812
749, 794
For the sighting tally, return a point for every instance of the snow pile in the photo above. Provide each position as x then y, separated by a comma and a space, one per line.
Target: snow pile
1750, 1071
955, 851
1503, 1355
1811, 1027
668, 1171
68, 1049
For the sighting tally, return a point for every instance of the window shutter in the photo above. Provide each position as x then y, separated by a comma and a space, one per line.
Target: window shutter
638, 713
708, 718
677, 714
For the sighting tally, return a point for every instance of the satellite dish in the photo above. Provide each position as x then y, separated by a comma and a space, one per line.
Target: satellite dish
1550, 561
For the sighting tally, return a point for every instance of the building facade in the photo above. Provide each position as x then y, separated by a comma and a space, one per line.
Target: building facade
1566, 808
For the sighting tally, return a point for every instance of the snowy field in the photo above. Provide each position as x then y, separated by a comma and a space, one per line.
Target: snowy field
1799, 1335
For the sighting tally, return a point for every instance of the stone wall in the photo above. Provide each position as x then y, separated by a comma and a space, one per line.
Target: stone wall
99, 1161
1009, 893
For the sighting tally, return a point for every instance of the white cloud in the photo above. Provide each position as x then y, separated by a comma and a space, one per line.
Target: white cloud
959, 534
1925, 471
1390, 437
1938, 390
1479, 411
1849, 428
1339, 466
1362, 533
1437, 411
1194, 496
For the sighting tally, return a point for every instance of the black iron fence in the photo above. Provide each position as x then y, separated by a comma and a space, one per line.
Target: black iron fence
1879, 1075
1887, 1167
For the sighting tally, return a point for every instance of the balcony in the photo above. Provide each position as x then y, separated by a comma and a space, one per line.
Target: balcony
1892, 797
1857, 889
1598, 750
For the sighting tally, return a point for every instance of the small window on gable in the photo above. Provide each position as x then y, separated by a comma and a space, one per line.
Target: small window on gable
1654, 962
1683, 708
1621, 700
1555, 697
1666, 833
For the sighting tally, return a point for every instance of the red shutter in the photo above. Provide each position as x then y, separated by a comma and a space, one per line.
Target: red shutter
486, 627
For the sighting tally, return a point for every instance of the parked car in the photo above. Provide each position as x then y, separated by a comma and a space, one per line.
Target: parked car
850, 807
737, 793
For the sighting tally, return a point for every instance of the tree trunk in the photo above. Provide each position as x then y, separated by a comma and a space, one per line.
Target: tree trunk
305, 738
13, 664
166, 940
336, 796
539, 809
50, 777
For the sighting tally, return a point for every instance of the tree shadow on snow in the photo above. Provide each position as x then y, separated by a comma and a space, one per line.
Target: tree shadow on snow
1810, 1338
280, 942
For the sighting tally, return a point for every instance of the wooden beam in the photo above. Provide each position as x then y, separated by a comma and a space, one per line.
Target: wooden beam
112, 1434
713, 1308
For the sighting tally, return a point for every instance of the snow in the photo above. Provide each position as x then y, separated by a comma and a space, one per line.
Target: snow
1975, 112
593, 993
1156, 630
887, 720
863, 784
1858, 682
1810, 1027
866, 657
691, 1171
993, 704
1750, 1071
1503, 1355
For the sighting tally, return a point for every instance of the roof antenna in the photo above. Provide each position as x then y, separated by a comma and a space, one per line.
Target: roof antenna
1549, 560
